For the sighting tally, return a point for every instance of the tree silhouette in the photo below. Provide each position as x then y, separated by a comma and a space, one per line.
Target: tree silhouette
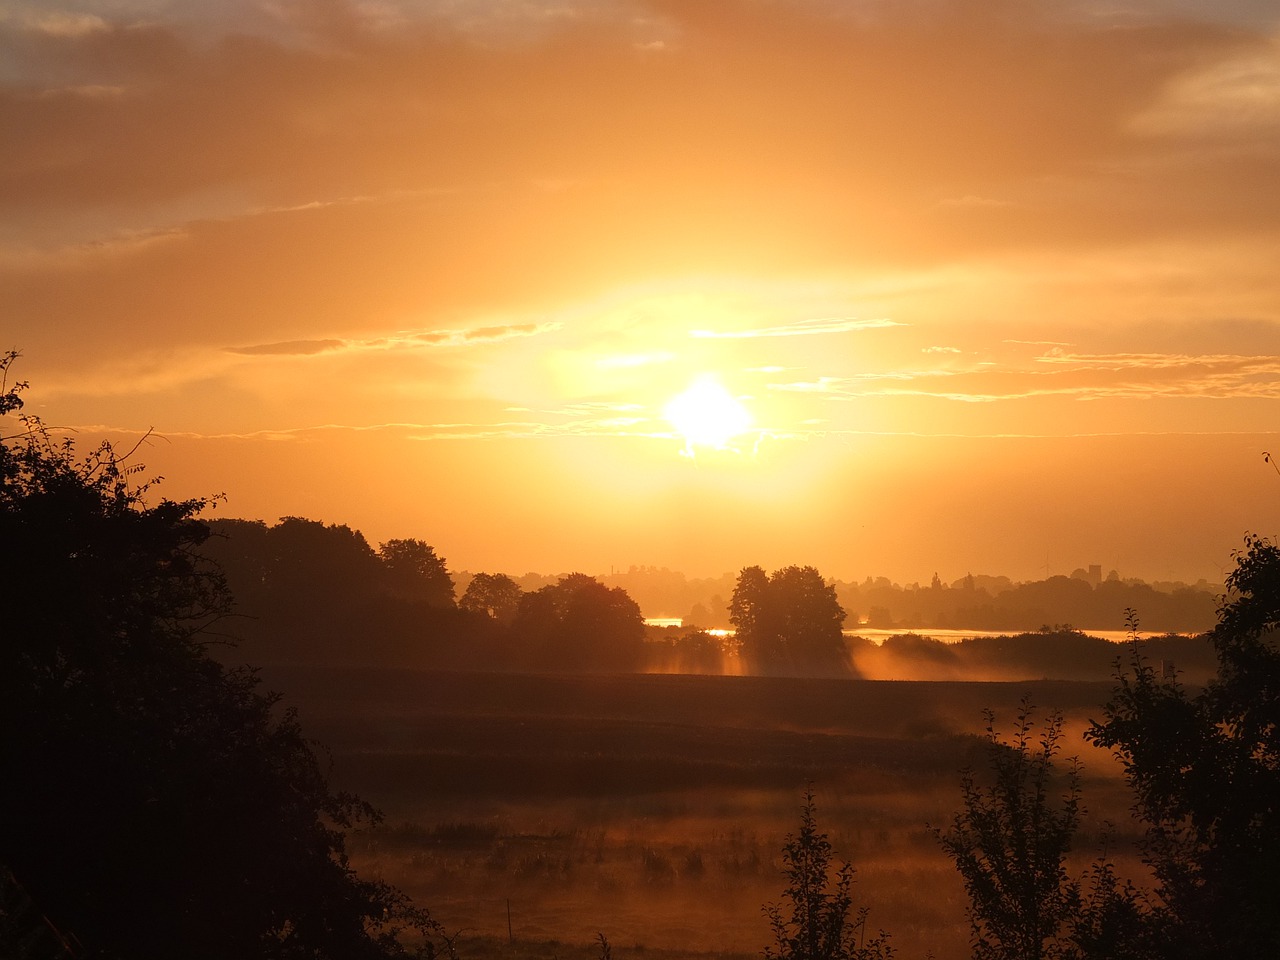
1010, 843
495, 595
817, 925
750, 612
788, 621
1205, 770
414, 572
153, 803
580, 624
312, 561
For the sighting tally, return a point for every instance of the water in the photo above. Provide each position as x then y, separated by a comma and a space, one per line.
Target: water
878, 636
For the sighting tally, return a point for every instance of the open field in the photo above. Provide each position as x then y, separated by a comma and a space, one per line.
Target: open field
653, 808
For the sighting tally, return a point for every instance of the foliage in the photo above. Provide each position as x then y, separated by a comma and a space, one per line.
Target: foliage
414, 572
495, 595
319, 593
579, 623
1010, 844
152, 802
789, 620
1205, 771
697, 651
817, 925
749, 607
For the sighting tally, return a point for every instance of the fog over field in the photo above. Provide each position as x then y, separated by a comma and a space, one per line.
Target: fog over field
653, 808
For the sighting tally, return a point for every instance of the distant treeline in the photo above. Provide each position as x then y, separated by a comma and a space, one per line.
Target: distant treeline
994, 603
977, 602
1051, 654
307, 592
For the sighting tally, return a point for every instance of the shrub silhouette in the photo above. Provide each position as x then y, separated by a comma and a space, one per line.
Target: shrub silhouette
817, 924
1010, 844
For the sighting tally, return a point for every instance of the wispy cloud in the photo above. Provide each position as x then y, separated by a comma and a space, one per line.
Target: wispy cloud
289, 348
1158, 361
121, 244
586, 419
800, 328
490, 334
432, 338
65, 24
83, 91
1129, 376
1235, 97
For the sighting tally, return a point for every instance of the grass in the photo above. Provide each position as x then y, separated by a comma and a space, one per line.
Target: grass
653, 808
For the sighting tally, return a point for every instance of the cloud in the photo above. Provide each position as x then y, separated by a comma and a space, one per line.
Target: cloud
65, 24
303, 348
821, 385
87, 91
433, 338
491, 334
1126, 376
508, 332
800, 328
1236, 98
333, 179
1159, 361
451, 430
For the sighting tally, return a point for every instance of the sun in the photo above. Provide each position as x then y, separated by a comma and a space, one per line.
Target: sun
707, 415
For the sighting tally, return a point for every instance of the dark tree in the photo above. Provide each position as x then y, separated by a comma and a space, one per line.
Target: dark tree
153, 803
808, 617
817, 924
1010, 844
415, 573
788, 621
1205, 770
749, 613
495, 595
310, 592
697, 651
580, 624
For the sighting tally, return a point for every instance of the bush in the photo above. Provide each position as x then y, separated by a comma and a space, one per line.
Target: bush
153, 803
817, 925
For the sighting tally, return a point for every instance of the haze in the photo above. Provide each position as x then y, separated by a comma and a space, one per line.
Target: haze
988, 287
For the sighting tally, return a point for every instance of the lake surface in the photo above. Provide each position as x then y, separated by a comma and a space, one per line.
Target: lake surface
878, 636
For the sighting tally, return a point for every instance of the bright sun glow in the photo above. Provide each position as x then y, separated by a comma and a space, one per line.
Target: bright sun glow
706, 415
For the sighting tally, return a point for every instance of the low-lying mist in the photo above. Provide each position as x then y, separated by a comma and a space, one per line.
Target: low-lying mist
654, 808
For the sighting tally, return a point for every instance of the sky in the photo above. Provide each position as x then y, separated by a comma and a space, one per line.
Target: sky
965, 285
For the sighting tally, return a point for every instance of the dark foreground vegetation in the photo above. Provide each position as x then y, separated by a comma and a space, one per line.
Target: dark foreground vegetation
154, 802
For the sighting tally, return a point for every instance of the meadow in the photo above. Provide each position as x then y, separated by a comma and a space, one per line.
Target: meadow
532, 813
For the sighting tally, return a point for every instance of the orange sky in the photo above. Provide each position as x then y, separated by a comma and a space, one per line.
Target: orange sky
995, 281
